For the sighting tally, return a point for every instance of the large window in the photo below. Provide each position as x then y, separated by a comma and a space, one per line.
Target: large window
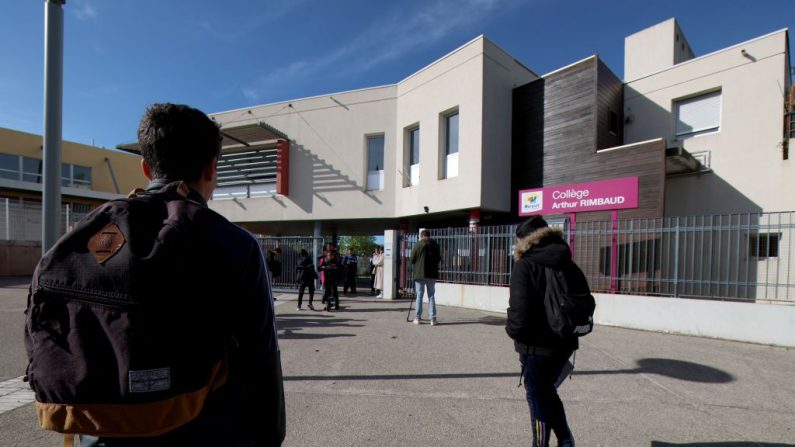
27, 169
697, 115
451, 145
412, 137
32, 169
375, 163
9, 166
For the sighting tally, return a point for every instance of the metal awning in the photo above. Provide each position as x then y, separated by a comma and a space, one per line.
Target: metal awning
234, 138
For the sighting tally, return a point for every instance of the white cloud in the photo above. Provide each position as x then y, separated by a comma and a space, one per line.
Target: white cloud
86, 11
386, 40
249, 22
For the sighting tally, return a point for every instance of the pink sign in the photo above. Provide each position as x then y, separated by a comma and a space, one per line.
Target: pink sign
580, 197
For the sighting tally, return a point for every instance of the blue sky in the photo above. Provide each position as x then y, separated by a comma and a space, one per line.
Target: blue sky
220, 55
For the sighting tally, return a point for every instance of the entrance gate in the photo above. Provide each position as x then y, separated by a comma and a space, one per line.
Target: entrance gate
291, 247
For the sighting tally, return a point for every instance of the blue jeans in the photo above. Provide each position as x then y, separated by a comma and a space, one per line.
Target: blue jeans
546, 409
419, 291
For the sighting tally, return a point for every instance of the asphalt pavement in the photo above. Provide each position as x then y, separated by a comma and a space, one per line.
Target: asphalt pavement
364, 376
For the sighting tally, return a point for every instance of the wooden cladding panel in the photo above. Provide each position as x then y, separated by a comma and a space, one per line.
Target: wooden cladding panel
561, 120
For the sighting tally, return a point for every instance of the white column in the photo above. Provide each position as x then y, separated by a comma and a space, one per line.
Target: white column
391, 254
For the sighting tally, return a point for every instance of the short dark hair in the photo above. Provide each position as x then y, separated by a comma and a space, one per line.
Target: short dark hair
178, 141
425, 233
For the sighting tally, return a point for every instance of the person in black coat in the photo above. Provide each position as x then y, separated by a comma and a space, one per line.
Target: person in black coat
542, 353
306, 275
332, 275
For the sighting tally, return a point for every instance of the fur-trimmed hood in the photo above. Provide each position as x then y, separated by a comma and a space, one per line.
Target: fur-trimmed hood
547, 246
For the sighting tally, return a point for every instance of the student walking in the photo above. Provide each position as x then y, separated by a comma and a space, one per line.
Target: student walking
332, 272
306, 274
543, 353
425, 258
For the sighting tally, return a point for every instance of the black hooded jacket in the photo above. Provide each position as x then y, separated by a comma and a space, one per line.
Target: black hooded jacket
527, 323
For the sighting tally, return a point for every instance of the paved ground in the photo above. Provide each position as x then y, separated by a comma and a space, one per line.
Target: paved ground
363, 376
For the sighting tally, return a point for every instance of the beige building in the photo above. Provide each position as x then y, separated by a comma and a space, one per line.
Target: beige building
726, 109
90, 176
436, 143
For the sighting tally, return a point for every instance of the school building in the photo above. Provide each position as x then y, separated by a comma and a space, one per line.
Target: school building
89, 177
687, 151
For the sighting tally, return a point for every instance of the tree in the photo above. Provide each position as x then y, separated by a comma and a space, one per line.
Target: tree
362, 245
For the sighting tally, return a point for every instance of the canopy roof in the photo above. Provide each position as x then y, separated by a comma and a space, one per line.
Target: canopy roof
238, 137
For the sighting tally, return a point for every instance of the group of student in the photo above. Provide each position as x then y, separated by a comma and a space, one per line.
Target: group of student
333, 270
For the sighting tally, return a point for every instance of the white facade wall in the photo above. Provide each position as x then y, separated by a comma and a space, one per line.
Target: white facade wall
327, 157
501, 75
748, 173
455, 81
328, 143
655, 48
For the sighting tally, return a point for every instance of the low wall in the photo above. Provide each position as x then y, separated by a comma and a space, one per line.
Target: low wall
493, 299
772, 324
19, 258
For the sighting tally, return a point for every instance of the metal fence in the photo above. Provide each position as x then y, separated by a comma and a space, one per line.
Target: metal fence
291, 247
745, 257
20, 219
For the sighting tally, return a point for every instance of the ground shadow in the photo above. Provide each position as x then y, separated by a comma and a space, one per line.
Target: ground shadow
721, 444
376, 310
488, 320
407, 376
676, 369
672, 368
294, 326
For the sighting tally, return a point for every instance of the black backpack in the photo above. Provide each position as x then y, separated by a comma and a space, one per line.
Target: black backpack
568, 302
121, 333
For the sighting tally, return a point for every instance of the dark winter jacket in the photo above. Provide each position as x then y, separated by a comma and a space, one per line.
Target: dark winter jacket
425, 257
221, 288
527, 323
332, 271
274, 264
305, 271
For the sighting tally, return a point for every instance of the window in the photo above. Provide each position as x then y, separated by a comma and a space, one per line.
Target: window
81, 177
451, 145
698, 115
412, 168
763, 245
375, 163
31, 170
9, 166
612, 121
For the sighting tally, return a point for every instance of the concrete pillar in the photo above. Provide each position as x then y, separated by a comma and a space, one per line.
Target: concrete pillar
391, 254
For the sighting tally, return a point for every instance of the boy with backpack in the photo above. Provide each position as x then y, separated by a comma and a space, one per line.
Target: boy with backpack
550, 307
151, 323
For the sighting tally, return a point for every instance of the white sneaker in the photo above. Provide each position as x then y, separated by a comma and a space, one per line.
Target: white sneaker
298, 308
433, 322
380, 295
416, 321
